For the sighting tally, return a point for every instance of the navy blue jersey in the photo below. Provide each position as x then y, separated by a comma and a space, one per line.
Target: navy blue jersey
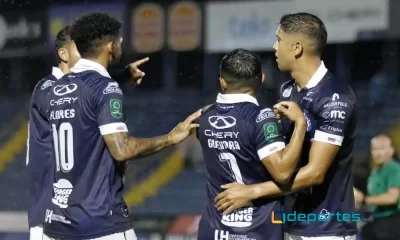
235, 135
39, 159
329, 106
87, 200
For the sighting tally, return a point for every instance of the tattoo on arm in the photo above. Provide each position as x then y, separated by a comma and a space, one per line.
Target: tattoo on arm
124, 147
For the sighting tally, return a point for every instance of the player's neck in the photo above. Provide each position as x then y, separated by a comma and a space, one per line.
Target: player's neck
64, 68
102, 61
304, 70
249, 92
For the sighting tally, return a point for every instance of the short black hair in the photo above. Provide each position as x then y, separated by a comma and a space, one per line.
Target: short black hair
92, 30
308, 25
241, 68
62, 38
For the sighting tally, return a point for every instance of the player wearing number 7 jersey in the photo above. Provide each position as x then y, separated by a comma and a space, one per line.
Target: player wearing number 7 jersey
241, 142
39, 157
91, 140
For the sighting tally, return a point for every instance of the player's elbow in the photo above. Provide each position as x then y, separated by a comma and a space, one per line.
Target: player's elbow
283, 177
318, 178
119, 156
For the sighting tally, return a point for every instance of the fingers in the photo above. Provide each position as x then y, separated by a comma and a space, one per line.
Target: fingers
281, 108
193, 117
193, 125
226, 186
219, 197
229, 210
223, 207
141, 61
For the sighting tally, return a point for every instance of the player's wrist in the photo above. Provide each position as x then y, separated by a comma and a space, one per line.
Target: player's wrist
255, 191
301, 122
170, 139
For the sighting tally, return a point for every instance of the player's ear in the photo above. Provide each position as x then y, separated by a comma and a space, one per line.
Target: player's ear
262, 78
110, 47
223, 83
63, 54
298, 49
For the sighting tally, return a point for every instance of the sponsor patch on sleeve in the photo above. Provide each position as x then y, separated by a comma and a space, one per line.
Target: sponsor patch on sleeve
264, 114
112, 87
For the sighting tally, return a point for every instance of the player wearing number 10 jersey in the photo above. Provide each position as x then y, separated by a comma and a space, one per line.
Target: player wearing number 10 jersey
242, 142
39, 158
91, 140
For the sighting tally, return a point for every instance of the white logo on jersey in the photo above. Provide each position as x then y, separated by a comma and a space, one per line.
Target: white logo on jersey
240, 218
49, 216
335, 97
62, 190
287, 92
61, 90
338, 114
222, 122
112, 87
47, 84
264, 114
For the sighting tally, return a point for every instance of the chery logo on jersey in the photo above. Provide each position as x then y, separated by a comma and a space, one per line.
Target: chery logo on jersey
222, 122
62, 190
61, 90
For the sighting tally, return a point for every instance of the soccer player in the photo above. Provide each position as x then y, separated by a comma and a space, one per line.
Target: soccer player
91, 140
39, 159
325, 178
242, 142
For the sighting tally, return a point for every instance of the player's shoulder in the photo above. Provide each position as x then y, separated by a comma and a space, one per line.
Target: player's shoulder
99, 83
287, 87
45, 83
334, 89
255, 114
261, 114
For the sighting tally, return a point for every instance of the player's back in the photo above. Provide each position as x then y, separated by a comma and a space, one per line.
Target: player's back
87, 201
39, 160
235, 133
329, 105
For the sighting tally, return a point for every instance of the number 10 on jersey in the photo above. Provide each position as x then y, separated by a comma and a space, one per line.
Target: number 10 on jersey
63, 140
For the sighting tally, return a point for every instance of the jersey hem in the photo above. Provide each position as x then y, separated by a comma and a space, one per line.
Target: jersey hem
321, 234
119, 229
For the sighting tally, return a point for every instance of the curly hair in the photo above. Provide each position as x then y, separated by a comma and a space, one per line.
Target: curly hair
92, 31
62, 39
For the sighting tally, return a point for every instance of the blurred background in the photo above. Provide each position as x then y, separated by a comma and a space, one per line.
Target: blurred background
185, 41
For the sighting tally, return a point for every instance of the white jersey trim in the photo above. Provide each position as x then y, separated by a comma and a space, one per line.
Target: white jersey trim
113, 128
328, 138
270, 149
36, 233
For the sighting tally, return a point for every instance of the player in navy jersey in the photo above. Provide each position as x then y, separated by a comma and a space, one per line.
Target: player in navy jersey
324, 180
242, 142
39, 160
91, 140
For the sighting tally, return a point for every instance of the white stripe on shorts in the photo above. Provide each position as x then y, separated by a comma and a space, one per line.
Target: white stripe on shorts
127, 235
289, 236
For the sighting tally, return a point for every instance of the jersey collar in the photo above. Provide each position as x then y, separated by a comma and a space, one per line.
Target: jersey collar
236, 98
86, 65
318, 75
56, 72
